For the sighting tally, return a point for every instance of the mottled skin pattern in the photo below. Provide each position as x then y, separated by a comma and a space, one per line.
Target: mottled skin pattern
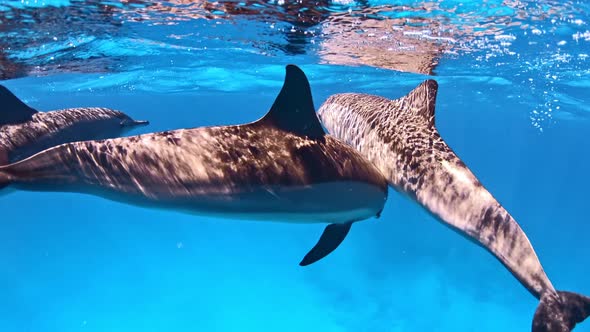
47, 129
400, 138
250, 169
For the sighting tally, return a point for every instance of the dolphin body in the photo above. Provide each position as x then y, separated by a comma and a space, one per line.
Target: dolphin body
282, 167
24, 131
399, 136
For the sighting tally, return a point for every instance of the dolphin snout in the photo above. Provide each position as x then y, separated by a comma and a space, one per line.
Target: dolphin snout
134, 123
141, 122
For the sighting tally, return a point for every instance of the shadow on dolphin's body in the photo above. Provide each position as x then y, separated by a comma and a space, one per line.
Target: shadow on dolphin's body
282, 167
399, 136
24, 131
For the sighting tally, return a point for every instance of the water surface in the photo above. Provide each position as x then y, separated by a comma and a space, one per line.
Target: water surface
513, 79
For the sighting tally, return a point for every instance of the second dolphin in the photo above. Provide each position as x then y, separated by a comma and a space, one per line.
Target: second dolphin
400, 137
24, 131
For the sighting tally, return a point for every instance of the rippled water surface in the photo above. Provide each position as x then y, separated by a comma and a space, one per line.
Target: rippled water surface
513, 103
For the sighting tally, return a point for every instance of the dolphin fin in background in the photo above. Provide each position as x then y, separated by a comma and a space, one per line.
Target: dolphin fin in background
12, 109
331, 238
421, 102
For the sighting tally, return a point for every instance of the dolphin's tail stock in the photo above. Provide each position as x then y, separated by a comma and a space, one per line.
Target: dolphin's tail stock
560, 312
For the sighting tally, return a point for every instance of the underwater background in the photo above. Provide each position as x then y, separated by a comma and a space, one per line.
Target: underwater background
512, 103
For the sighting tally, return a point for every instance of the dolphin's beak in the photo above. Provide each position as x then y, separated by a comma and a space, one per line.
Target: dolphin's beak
134, 123
140, 122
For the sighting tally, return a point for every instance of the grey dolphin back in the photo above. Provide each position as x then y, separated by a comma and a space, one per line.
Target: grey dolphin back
12, 109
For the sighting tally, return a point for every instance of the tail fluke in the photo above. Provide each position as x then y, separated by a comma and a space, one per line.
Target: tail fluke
560, 313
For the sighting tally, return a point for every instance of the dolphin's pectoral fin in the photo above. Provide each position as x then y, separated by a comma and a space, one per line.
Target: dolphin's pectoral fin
333, 235
12, 109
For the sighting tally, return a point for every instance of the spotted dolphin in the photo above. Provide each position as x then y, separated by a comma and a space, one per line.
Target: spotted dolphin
399, 136
282, 167
24, 131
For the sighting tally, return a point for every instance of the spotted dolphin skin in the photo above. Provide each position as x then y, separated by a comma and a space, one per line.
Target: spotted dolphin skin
282, 167
24, 131
400, 138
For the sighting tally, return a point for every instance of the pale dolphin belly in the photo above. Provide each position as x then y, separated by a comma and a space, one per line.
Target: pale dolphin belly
334, 203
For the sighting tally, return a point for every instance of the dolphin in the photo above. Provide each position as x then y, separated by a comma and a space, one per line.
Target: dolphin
399, 136
282, 167
24, 131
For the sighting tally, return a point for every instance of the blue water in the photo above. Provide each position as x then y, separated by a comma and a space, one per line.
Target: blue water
513, 103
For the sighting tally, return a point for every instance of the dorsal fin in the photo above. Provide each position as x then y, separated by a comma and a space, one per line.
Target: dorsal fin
421, 101
12, 109
293, 108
